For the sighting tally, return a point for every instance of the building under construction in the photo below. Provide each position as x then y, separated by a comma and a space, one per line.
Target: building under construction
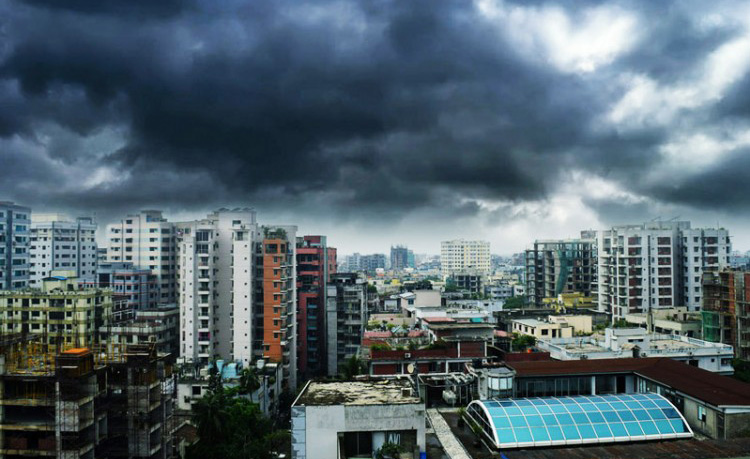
100, 402
726, 309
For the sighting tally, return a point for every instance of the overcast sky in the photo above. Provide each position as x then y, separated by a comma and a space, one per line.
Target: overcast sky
380, 122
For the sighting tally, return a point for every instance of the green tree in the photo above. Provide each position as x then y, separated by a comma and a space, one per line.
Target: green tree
351, 368
249, 381
515, 302
522, 342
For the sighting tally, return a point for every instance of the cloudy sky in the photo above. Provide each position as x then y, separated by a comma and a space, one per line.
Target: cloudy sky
380, 122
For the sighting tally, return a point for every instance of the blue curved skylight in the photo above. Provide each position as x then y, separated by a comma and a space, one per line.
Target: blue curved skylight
550, 421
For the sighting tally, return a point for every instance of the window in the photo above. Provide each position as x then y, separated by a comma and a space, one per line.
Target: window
701, 413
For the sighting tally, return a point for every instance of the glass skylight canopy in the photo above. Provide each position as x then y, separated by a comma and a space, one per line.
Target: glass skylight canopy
551, 421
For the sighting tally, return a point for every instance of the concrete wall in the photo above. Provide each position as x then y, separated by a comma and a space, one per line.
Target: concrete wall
315, 429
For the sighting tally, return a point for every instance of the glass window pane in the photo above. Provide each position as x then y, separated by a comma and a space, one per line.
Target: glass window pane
678, 425
657, 414
539, 434
512, 410
618, 429
649, 428
571, 433
558, 409
564, 419
502, 422
580, 418
518, 421
544, 409
549, 419
587, 431
641, 415
671, 413
602, 431
665, 427
626, 416
534, 421
523, 402
595, 417
555, 433
611, 416
505, 435
575, 409
528, 410
523, 435
633, 429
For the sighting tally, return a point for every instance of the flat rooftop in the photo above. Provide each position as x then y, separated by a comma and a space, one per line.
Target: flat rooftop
380, 392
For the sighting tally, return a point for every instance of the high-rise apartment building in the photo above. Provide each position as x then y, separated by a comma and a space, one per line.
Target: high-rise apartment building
147, 240
237, 290
15, 230
459, 255
134, 289
316, 262
726, 309
401, 257
279, 267
364, 263
61, 314
59, 242
656, 264
346, 318
561, 266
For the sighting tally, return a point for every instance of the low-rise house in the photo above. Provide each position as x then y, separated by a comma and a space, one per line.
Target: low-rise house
637, 342
357, 418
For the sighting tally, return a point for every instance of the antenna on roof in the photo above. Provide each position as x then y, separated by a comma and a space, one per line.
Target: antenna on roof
673, 218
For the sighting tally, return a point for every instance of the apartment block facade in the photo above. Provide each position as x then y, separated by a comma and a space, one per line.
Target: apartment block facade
147, 240
61, 313
15, 232
316, 262
726, 309
458, 255
59, 242
401, 257
561, 266
237, 290
346, 318
656, 265
134, 289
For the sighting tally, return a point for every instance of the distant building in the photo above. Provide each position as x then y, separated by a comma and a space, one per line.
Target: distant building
657, 265
60, 313
355, 419
133, 288
553, 326
468, 280
401, 258
670, 321
316, 262
726, 310
147, 240
346, 319
637, 342
363, 263
15, 231
560, 266
59, 242
158, 327
459, 254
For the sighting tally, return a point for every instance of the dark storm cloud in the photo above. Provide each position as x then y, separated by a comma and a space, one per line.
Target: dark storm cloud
385, 106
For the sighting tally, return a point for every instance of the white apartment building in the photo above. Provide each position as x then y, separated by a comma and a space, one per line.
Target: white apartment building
59, 242
223, 288
215, 286
147, 241
458, 255
15, 226
656, 265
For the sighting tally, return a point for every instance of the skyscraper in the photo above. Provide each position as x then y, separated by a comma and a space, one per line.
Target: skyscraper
401, 257
15, 226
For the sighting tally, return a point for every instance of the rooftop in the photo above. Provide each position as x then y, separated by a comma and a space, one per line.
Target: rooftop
380, 392
705, 385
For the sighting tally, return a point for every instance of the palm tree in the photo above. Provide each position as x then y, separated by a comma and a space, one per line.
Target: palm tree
210, 416
249, 381
351, 368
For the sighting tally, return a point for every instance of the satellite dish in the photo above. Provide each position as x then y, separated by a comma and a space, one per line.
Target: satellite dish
410, 368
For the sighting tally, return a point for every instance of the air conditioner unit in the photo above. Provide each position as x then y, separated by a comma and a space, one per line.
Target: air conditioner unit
584, 357
407, 355
643, 354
